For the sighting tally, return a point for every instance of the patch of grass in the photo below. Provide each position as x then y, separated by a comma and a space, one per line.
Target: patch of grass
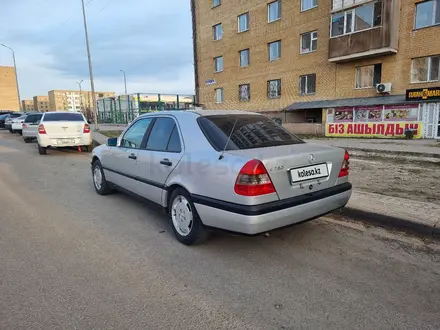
111, 134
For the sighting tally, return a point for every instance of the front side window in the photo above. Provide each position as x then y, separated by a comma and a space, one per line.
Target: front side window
244, 93
274, 89
274, 50
427, 14
219, 95
274, 11
244, 58
307, 84
135, 134
162, 134
218, 64
368, 76
359, 19
248, 132
425, 69
243, 22
216, 3
217, 32
308, 4
309, 42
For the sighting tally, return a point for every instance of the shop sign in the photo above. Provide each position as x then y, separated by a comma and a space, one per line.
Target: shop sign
423, 94
210, 82
374, 129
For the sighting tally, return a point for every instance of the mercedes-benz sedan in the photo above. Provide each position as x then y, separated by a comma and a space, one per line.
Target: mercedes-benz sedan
236, 171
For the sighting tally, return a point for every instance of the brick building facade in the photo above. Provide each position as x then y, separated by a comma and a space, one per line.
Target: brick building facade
41, 103
27, 105
8, 90
305, 55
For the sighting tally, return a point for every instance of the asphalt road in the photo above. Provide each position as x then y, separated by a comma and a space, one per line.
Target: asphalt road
70, 259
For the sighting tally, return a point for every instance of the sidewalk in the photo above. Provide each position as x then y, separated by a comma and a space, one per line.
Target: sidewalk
392, 212
420, 148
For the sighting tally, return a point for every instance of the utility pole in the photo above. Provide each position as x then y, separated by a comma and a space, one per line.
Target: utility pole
80, 95
125, 82
16, 76
92, 84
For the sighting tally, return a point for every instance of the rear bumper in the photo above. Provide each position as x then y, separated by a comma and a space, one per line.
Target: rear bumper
46, 141
257, 219
16, 127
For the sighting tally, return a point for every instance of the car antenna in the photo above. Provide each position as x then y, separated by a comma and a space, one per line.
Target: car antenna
229, 138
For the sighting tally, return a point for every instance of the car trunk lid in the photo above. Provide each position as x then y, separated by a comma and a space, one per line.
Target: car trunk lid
298, 169
64, 129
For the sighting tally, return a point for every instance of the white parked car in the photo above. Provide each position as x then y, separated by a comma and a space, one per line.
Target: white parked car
17, 123
30, 127
63, 129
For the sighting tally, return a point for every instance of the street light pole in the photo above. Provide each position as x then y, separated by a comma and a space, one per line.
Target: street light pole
92, 84
16, 76
125, 82
80, 95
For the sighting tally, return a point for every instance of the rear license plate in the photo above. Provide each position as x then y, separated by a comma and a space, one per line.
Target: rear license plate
317, 171
65, 141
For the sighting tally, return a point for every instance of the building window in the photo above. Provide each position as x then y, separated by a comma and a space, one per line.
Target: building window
274, 89
308, 4
359, 19
307, 84
244, 93
217, 32
425, 69
368, 76
274, 50
309, 42
274, 11
219, 95
427, 14
244, 58
243, 22
218, 64
216, 3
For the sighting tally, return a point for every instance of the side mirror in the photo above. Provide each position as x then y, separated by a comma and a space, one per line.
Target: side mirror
112, 142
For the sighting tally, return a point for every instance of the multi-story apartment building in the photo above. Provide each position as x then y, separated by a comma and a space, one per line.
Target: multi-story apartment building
359, 65
27, 105
8, 90
71, 100
41, 103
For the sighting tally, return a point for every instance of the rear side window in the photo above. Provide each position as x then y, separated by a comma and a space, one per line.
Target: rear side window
32, 118
164, 136
63, 117
250, 131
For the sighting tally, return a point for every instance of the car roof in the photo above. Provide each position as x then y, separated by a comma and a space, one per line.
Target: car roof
203, 113
62, 112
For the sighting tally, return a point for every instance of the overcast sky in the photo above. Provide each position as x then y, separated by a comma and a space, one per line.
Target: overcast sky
149, 39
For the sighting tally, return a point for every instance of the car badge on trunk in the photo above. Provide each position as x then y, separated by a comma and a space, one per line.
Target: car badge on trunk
311, 158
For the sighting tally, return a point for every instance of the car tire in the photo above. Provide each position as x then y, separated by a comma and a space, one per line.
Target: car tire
184, 219
20, 132
99, 181
27, 140
11, 131
86, 148
42, 150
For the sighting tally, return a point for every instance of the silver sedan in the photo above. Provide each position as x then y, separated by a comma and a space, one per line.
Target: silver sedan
236, 171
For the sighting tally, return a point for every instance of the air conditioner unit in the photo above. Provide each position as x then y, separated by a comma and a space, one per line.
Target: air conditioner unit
383, 88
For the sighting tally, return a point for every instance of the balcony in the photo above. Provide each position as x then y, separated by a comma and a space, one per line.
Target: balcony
365, 30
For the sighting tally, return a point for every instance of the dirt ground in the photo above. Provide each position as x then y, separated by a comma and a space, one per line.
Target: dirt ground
414, 181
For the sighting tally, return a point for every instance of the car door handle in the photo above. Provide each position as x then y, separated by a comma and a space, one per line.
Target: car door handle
132, 156
166, 162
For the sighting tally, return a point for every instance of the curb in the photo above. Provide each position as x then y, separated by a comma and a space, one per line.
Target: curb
390, 222
396, 153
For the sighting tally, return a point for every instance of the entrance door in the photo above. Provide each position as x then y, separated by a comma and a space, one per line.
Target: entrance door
430, 118
438, 121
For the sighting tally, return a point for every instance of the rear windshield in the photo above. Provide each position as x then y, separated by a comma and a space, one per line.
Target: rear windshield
63, 117
33, 118
250, 131
15, 115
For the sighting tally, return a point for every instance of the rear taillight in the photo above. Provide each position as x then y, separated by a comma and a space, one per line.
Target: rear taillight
86, 128
253, 180
345, 165
23, 125
41, 129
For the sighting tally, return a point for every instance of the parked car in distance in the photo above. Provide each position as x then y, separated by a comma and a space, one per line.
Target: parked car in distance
236, 171
63, 129
8, 120
17, 124
30, 126
3, 119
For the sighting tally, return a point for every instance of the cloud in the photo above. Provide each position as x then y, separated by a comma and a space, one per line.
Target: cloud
150, 40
